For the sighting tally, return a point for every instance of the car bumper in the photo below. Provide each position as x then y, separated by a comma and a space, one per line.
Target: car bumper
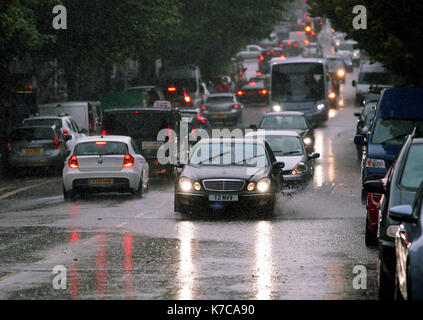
216, 116
387, 257
372, 212
127, 179
45, 161
317, 115
292, 183
200, 201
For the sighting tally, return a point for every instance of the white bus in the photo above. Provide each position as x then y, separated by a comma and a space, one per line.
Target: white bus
300, 85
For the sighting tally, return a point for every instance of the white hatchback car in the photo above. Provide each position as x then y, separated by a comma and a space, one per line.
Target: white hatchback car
105, 164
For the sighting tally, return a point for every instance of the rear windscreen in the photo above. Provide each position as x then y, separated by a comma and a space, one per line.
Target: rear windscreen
137, 124
100, 148
43, 122
32, 134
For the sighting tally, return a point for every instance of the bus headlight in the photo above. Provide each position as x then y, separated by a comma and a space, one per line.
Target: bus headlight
263, 185
277, 108
320, 106
185, 184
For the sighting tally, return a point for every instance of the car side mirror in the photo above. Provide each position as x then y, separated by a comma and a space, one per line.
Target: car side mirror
357, 114
179, 165
360, 139
84, 131
354, 83
279, 165
402, 213
253, 126
67, 137
375, 186
314, 155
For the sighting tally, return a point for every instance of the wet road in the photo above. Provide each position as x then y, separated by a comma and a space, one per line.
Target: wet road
115, 247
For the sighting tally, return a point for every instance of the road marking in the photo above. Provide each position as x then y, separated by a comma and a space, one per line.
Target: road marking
120, 225
11, 193
139, 215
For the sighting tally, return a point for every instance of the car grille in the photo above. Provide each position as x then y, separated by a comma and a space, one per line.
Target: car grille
223, 184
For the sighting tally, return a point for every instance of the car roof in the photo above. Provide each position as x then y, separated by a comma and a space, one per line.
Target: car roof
223, 94
124, 139
301, 60
266, 132
374, 67
284, 113
67, 103
47, 117
230, 140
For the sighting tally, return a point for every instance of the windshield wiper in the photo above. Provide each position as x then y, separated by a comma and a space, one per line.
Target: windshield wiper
248, 159
396, 137
290, 152
214, 157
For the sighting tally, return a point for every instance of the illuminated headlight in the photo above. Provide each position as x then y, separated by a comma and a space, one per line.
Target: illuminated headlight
341, 73
197, 186
300, 168
251, 186
332, 95
320, 106
307, 140
277, 108
185, 184
263, 185
375, 163
355, 54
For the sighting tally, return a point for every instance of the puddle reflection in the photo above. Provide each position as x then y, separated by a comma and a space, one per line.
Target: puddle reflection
186, 266
263, 263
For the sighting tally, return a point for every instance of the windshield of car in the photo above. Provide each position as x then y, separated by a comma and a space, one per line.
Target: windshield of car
346, 46
368, 107
334, 64
43, 122
283, 122
32, 134
223, 154
374, 78
285, 145
393, 131
220, 99
100, 148
368, 118
298, 82
412, 174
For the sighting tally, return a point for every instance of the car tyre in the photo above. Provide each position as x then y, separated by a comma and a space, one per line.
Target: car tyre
370, 239
68, 195
139, 193
386, 285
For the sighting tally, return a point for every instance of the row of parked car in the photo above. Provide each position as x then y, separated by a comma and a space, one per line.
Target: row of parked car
390, 139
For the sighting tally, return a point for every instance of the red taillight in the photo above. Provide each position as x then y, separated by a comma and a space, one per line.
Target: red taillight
169, 130
236, 106
289, 43
264, 91
281, 45
252, 83
261, 57
295, 45
200, 118
128, 161
171, 89
259, 73
56, 143
240, 93
101, 142
187, 98
73, 162
103, 130
203, 107
65, 131
9, 145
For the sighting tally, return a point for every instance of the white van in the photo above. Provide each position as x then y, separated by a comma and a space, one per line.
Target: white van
87, 114
371, 74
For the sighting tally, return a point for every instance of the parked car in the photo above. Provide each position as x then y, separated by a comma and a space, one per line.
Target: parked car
364, 123
37, 146
64, 122
288, 147
105, 164
401, 188
255, 91
289, 120
228, 173
222, 107
408, 248
144, 126
87, 114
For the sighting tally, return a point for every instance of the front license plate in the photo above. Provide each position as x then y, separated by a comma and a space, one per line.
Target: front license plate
223, 197
33, 151
102, 181
219, 115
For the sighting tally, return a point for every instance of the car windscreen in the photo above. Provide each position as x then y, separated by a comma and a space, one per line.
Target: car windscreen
283, 122
137, 124
346, 46
29, 134
100, 148
393, 131
221, 154
412, 174
43, 122
375, 78
285, 145
220, 99
298, 82
334, 64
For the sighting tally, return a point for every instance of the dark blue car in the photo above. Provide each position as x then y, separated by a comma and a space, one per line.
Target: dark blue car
398, 111
409, 249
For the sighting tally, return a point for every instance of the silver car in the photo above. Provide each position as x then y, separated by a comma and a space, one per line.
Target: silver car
222, 107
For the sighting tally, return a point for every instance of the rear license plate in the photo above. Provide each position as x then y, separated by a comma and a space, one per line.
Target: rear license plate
175, 104
219, 115
33, 151
101, 181
223, 197
151, 144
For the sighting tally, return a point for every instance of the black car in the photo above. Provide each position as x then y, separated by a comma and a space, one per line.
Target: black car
289, 120
255, 91
144, 126
228, 173
365, 118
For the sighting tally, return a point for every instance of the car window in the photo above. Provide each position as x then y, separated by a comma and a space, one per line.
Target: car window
393, 131
100, 148
75, 125
283, 122
219, 99
412, 174
285, 145
43, 122
32, 134
135, 147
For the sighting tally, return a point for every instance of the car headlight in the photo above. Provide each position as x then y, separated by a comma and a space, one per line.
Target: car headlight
340, 73
320, 106
185, 184
307, 140
263, 185
251, 186
300, 168
332, 95
375, 163
277, 108
197, 186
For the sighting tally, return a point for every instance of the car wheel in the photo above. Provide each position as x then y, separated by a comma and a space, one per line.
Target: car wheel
370, 238
363, 196
386, 285
68, 195
138, 194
